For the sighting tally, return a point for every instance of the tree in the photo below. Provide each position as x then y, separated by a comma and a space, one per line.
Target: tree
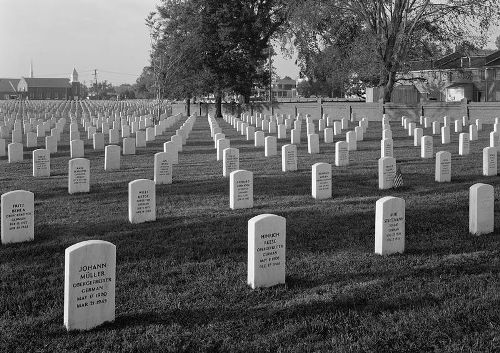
390, 32
125, 91
222, 44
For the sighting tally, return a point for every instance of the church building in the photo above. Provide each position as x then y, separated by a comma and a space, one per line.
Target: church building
49, 88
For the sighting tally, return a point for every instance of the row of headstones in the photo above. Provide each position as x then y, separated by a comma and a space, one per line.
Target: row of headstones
15, 151
246, 129
90, 266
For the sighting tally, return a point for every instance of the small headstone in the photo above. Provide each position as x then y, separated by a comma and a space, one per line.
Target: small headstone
41, 163
458, 126
250, 133
490, 161
481, 209
337, 128
266, 250
89, 284
443, 167
495, 139
386, 172
162, 168
322, 181
79, 175
436, 127
51, 144
281, 132
2, 148
341, 154
112, 157
289, 158
31, 140
141, 201
230, 161
17, 216
240, 189
389, 225
358, 130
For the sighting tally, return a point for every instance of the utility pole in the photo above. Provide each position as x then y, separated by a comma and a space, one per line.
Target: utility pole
96, 88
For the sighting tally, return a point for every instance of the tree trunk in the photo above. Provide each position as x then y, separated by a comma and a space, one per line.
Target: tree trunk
218, 105
387, 87
188, 106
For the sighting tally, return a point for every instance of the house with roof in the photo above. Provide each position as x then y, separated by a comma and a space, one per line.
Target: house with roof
8, 88
475, 76
49, 87
41, 87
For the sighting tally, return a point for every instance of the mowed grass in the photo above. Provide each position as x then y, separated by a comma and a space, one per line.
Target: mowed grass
181, 281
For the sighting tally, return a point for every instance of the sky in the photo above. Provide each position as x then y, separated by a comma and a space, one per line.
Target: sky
107, 35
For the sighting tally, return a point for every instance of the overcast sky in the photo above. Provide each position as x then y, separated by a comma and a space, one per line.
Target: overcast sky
107, 35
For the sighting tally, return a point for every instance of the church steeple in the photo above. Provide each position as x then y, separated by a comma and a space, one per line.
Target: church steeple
31, 68
74, 76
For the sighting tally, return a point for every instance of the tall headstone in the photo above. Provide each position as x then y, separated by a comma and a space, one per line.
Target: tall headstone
386, 148
128, 146
321, 181
41, 163
78, 175
259, 140
427, 147
76, 149
112, 157
490, 161
443, 167
15, 152
389, 225
141, 201
463, 144
271, 148
289, 158
445, 135
230, 161
240, 189
481, 209
266, 250
386, 172
17, 216
341, 154
312, 143
89, 284
351, 141
162, 168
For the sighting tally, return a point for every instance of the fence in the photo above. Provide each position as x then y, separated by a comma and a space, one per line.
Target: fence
356, 110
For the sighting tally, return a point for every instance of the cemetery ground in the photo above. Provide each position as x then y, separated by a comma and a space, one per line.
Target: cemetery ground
181, 281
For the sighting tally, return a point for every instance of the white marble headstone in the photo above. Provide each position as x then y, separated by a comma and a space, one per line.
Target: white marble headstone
321, 181
89, 284
41, 163
162, 168
79, 175
289, 158
390, 225
17, 216
266, 250
443, 167
481, 209
141, 201
240, 189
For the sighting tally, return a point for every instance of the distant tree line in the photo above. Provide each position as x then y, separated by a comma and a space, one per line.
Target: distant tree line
219, 47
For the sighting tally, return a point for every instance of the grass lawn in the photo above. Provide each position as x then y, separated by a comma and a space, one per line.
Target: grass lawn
181, 281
